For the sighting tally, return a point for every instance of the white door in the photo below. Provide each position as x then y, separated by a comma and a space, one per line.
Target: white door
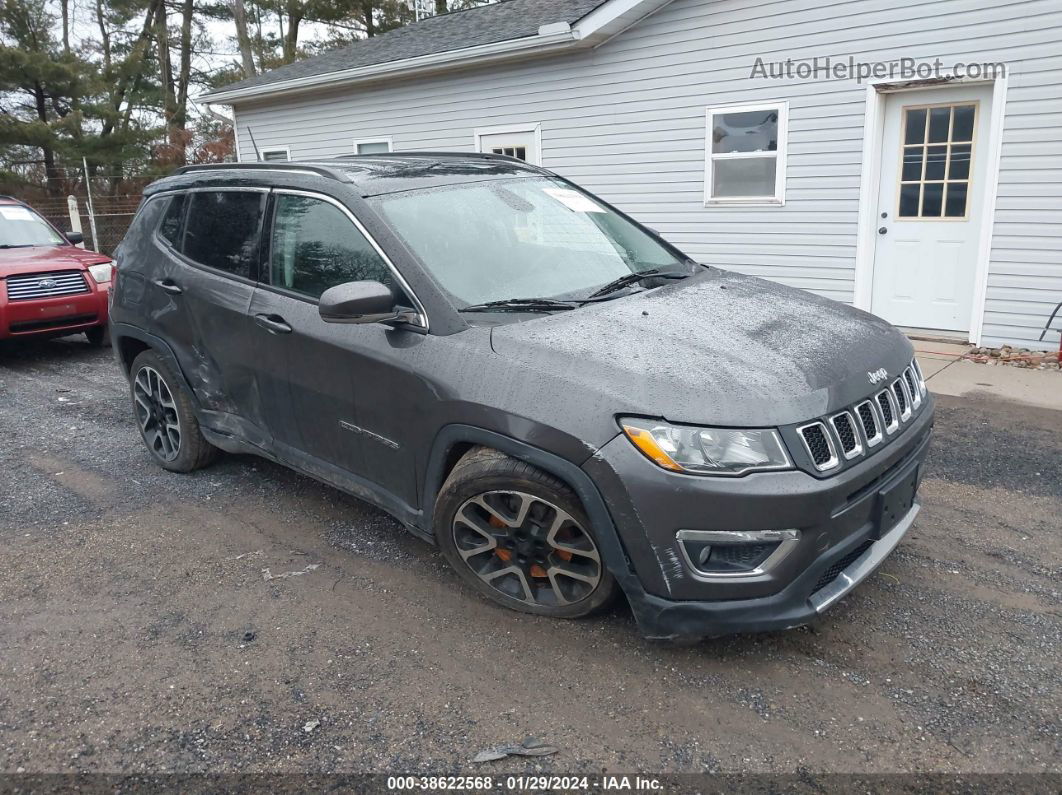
933, 168
520, 143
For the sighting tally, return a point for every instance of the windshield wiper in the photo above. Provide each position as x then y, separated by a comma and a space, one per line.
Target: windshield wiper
17, 245
633, 278
520, 305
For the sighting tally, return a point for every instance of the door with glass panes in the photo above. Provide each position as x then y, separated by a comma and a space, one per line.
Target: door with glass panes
518, 143
928, 224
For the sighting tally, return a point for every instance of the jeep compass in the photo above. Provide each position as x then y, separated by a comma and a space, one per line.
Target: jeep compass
561, 400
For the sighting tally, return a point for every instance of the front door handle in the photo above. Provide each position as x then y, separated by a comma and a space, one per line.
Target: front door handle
274, 324
169, 286
883, 230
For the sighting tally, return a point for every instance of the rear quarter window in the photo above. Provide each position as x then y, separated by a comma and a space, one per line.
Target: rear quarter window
223, 229
173, 221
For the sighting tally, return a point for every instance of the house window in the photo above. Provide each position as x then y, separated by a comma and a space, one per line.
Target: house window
372, 146
277, 153
745, 154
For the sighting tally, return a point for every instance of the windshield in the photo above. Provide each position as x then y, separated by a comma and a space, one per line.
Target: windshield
20, 226
521, 238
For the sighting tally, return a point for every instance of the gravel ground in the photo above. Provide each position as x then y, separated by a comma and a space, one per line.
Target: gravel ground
139, 635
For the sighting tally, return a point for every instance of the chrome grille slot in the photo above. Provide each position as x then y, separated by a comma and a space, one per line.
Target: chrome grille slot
868, 418
819, 445
888, 414
918, 375
903, 402
845, 427
912, 389
27, 286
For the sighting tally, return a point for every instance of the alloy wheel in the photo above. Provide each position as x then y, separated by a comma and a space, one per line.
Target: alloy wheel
527, 548
156, 411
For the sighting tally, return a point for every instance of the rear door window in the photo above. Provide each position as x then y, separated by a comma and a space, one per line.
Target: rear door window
315, 246
223, 229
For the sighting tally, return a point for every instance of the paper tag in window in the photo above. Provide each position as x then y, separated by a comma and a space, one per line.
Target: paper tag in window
16, 213
573, 200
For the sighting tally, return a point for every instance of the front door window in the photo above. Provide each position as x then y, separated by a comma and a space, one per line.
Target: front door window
315, 246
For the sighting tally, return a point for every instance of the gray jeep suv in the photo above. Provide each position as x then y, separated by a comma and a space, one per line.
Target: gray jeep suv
563, 402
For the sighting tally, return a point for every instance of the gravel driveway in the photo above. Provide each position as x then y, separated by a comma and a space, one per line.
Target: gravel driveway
139, 631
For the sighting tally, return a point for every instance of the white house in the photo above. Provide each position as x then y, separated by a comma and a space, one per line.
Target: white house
903, 156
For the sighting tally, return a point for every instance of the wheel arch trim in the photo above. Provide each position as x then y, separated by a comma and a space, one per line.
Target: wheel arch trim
158, 345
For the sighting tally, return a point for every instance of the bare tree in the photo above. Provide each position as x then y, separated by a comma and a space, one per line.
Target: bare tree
239, 14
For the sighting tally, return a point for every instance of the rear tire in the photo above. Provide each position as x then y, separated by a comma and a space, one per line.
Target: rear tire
165, 417
520, 537
99, 336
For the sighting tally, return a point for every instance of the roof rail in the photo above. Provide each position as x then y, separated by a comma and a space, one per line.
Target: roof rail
429, 153
270, 165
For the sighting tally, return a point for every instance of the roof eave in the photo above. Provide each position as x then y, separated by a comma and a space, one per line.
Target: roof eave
597, 27
436, 62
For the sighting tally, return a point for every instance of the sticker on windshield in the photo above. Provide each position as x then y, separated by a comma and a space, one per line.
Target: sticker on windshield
573, 200
16, 213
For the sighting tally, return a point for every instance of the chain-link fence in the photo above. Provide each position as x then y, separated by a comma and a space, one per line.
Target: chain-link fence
100, 207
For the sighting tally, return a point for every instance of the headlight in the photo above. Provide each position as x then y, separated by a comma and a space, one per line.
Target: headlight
706, 451
101, 272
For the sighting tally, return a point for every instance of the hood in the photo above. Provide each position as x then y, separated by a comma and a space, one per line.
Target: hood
717, 348
41, 259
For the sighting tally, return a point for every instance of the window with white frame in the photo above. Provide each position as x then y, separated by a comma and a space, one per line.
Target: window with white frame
276, 153
745, 154
372, 146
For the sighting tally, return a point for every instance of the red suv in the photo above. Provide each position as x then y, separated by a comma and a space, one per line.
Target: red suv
50, 286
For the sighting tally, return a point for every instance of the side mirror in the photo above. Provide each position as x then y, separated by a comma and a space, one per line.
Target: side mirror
358, 302
75, 238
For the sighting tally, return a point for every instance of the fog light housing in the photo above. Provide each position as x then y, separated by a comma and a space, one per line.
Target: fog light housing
728, 554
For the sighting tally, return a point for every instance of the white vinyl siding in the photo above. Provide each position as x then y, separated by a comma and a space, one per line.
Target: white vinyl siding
627, 120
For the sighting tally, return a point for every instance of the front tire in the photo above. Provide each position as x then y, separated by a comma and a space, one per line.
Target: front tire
99, 336
165, 416
520, 537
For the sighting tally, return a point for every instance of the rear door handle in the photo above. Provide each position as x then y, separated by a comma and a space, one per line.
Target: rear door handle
274, 324
170, 286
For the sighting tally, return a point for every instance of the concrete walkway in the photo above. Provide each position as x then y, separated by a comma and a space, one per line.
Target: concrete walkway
947, 373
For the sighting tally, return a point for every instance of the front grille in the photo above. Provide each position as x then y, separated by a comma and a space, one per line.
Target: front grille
901, 398
850, 434
886, 410
869, 421
818, 445
27, 286
835, 570
847, 434
912, 388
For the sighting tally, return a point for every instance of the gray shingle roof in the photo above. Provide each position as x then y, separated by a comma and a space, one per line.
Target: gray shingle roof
503, 21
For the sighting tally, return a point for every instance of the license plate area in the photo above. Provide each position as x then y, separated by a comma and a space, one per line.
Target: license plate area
896, 501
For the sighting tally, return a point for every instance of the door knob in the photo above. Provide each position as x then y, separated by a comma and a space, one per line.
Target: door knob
882, 230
